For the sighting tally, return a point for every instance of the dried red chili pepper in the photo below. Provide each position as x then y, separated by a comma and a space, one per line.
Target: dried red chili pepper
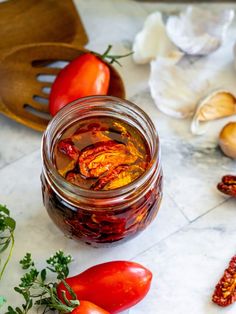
101, 157
225, 290
68, 148
228, 185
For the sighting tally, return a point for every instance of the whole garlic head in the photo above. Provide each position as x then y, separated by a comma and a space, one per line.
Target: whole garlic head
152, 41
199, 31
227, 140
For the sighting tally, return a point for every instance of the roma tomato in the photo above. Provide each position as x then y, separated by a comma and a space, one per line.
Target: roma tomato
114, 286
87, 307
86, 75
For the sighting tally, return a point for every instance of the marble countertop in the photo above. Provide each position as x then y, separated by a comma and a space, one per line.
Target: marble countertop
192, 239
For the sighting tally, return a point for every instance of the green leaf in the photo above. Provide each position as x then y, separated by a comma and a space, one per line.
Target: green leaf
7, 227
43, 275
10, 222
11, 310
59, 264
4, 210
27, 261
17, 289
4, 245
19, 311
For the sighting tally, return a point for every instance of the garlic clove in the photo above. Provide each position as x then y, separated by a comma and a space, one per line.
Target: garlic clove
152, 41
174, 89
217, 105
227, 140
199, 31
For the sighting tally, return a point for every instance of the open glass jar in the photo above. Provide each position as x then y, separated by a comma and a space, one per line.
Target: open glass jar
101, 217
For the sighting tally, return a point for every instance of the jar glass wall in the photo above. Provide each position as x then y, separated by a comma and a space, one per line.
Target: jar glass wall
101, 218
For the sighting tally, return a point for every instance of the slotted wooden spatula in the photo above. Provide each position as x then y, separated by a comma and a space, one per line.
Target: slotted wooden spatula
32, 21
20, 87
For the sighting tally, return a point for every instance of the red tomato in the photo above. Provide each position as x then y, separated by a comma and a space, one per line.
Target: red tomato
86, 75
114, 286
87, 307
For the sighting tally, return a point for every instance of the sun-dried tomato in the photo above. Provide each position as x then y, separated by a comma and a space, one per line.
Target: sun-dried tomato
228, 185
118, 177
102, 227
123, 131
103, 181
69, 167
225, 290
67, 147
101, 157
77, 179
95, 131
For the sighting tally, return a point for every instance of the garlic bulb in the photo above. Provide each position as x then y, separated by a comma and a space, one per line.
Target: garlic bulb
199, 31
227, 140
219, 104
153, 41
175, 90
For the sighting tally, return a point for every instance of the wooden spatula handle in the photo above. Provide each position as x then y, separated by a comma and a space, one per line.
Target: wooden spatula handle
3, 108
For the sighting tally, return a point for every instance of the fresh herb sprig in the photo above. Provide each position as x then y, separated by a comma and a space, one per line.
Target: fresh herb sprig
36, 290
7, 228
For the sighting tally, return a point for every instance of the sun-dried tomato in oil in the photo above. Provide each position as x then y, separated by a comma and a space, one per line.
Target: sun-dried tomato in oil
106, 154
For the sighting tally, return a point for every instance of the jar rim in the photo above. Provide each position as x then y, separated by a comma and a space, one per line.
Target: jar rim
81, 104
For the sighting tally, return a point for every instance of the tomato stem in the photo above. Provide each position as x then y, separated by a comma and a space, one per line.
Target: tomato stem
112, 58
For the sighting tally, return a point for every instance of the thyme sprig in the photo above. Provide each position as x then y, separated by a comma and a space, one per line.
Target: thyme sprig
36, 290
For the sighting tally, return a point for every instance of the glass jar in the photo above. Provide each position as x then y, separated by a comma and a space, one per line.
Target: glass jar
101, 218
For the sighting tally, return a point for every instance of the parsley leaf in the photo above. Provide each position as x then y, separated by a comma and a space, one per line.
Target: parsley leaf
7, 228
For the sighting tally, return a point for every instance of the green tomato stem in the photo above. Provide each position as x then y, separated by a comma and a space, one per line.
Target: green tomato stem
111, 58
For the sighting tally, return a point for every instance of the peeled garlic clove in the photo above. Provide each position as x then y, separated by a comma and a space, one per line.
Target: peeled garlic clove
153, 41
199, 31
217, 105
227, 140
175, 90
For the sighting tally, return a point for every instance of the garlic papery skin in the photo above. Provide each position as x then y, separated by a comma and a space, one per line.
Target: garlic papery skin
199, 31
227, 140
234, 51
218, 104
175, 90
152, 41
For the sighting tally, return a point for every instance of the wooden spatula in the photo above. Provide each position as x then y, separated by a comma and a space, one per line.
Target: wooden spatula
20, 88
33, 21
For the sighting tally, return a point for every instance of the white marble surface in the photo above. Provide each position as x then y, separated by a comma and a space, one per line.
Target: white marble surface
193, 237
